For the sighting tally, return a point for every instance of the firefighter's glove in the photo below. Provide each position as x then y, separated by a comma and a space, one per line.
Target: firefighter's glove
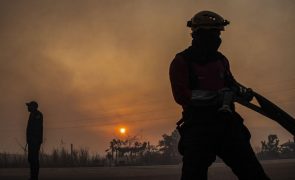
246, 94
226, 96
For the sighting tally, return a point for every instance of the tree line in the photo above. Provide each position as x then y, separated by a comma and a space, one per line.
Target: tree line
133, 151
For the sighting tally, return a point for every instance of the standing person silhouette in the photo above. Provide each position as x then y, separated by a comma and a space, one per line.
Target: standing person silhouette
203, 85
34, 138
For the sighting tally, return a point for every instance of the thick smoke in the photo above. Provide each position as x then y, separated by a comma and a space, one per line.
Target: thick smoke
94, 65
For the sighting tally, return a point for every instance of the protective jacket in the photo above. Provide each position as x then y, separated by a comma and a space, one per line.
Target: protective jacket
35, 128
189, 72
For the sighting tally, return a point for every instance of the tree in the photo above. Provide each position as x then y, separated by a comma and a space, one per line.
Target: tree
127, 150
168, 147
270, 149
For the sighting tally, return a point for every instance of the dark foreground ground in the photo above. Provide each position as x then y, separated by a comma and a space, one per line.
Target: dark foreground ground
277, 170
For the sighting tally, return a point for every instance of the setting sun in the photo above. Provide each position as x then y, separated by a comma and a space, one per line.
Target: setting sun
122, 130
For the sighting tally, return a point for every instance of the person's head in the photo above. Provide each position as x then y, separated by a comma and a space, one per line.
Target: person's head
32, 106
206, 28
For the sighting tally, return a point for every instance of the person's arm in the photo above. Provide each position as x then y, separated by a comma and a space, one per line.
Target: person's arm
179, 78
28, 132
40, 128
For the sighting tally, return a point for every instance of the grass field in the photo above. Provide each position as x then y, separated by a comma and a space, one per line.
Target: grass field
276, 169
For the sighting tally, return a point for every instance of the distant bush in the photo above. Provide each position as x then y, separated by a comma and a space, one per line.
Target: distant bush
12, 160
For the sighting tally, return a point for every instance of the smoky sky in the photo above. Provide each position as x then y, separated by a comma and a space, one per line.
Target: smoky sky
96, 65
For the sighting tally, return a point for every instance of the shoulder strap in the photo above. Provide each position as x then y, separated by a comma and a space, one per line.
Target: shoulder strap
188, 56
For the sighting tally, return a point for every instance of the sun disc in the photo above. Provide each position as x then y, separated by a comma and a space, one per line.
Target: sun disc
122, 130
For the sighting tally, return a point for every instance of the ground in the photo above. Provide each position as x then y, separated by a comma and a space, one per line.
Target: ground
276, 169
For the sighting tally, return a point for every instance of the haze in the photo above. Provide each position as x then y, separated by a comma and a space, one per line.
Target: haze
94, 66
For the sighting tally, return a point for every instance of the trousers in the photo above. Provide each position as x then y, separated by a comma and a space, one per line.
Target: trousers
206, 135
33, 158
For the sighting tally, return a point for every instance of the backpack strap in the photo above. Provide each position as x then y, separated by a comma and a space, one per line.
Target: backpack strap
188, 56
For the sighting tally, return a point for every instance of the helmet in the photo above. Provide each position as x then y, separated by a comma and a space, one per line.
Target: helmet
33, 104
207, 20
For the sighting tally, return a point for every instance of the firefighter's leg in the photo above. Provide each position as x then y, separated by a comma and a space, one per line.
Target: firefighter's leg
237, 153
197, 154
196, 163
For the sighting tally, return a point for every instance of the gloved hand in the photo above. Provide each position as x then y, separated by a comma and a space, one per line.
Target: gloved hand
226, 96
246, 93
204, 98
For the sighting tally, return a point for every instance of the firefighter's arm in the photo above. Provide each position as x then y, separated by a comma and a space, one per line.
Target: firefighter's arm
179, 78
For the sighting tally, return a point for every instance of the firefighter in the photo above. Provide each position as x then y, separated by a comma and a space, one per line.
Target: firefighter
204, 86
34, 138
